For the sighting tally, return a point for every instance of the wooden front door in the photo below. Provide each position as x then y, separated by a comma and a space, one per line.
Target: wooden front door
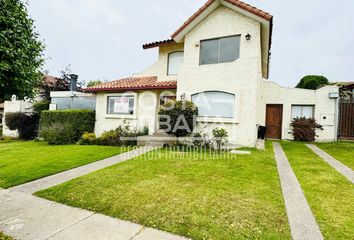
274, 120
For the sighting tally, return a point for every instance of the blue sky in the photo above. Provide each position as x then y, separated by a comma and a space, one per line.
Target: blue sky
101, 39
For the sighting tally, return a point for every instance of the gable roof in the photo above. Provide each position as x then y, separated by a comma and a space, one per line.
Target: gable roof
133, 83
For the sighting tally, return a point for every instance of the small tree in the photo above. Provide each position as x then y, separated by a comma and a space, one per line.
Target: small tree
178, 117
312, 82
93, 83
21, 51
25, 123
304, 129
220, 136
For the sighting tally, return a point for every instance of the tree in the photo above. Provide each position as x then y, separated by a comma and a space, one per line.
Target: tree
93, 83
21, 52
312, 82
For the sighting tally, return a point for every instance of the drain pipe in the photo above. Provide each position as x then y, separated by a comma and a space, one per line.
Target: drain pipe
335, 96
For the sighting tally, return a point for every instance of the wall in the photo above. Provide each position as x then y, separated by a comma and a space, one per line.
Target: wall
324, 107
14, 106
145, 111
240, 77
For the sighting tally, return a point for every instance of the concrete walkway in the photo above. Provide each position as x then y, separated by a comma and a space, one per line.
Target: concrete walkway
27, 217
340, 167
302, 223
56, 179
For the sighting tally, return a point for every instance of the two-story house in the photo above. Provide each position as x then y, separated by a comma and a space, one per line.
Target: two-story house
219, 59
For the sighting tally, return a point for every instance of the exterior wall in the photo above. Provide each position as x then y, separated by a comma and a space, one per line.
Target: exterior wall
159, 68
324, 107
14, 106
145, 111
240, 77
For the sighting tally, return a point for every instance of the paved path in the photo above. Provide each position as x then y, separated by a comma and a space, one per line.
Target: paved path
59, 178
302, 223
27, 217
340, 167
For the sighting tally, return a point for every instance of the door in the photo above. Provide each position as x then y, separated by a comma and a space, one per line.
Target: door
346, 120
274, 120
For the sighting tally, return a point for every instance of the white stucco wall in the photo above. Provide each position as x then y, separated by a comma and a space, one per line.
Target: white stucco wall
14, 106
240, 77
272, 93
145, 111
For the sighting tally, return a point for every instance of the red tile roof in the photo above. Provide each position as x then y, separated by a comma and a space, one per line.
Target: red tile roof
237, 3
133, 83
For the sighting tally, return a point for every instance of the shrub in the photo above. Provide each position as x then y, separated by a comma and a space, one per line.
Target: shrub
123, 135
312, 82
178, 117
77, 121
58, 134
304, 129
41, 106
25, 123
220, 136
87, 139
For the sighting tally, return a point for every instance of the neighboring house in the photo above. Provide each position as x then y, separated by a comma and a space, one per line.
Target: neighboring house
219, 59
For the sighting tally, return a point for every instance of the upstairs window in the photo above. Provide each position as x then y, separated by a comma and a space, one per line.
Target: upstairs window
299, 111
123, 105
215, 104
175, 60
220, 50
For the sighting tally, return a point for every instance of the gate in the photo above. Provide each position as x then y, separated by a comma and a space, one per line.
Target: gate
346, 120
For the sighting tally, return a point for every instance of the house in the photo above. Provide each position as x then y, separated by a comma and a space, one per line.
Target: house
219, 59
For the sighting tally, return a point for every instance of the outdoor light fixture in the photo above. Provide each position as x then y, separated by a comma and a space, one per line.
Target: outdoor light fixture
183, 96
248, 37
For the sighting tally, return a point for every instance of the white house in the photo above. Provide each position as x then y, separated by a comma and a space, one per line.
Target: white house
219, 59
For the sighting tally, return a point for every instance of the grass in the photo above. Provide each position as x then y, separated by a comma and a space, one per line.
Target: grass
329, 194
202, 196
5, 237
342, 151
22, 162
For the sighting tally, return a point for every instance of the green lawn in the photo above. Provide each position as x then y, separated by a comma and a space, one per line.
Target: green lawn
204, 197
22, 162
342, 151
329, 194
5, 237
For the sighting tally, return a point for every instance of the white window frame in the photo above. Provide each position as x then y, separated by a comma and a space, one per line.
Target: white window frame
117, 115
214, 119
218, 38
168, 63
302, 106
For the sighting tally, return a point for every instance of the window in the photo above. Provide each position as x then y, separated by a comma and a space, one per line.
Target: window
220, 50
215, 104
175, 60
298, 111
121, 105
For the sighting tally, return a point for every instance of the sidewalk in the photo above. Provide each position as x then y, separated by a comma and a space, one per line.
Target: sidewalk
26, 217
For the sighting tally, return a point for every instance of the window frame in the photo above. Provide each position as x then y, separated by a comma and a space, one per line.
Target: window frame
121, 115
216, 118
218, 38
168, 62
302, 105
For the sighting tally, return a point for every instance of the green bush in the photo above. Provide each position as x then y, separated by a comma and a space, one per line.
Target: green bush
25, 123
41, 106
312, 82
87, 139
121, 136
178, 117
76, 121
220, 136
58, 134
304, 129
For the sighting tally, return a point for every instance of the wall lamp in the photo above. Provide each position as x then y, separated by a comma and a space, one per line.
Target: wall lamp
248, 37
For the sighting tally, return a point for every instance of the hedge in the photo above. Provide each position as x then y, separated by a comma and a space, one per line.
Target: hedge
66, 126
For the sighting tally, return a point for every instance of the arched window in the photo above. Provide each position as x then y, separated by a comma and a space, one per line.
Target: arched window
175, 60
215, 104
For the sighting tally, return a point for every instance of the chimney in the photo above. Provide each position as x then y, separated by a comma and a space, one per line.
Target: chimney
73, 82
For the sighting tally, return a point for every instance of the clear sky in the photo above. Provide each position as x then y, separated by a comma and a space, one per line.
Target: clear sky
102, 39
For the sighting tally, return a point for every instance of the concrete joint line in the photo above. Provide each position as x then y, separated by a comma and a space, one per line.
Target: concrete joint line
303, 225
136, 234
66, 227
340, 167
